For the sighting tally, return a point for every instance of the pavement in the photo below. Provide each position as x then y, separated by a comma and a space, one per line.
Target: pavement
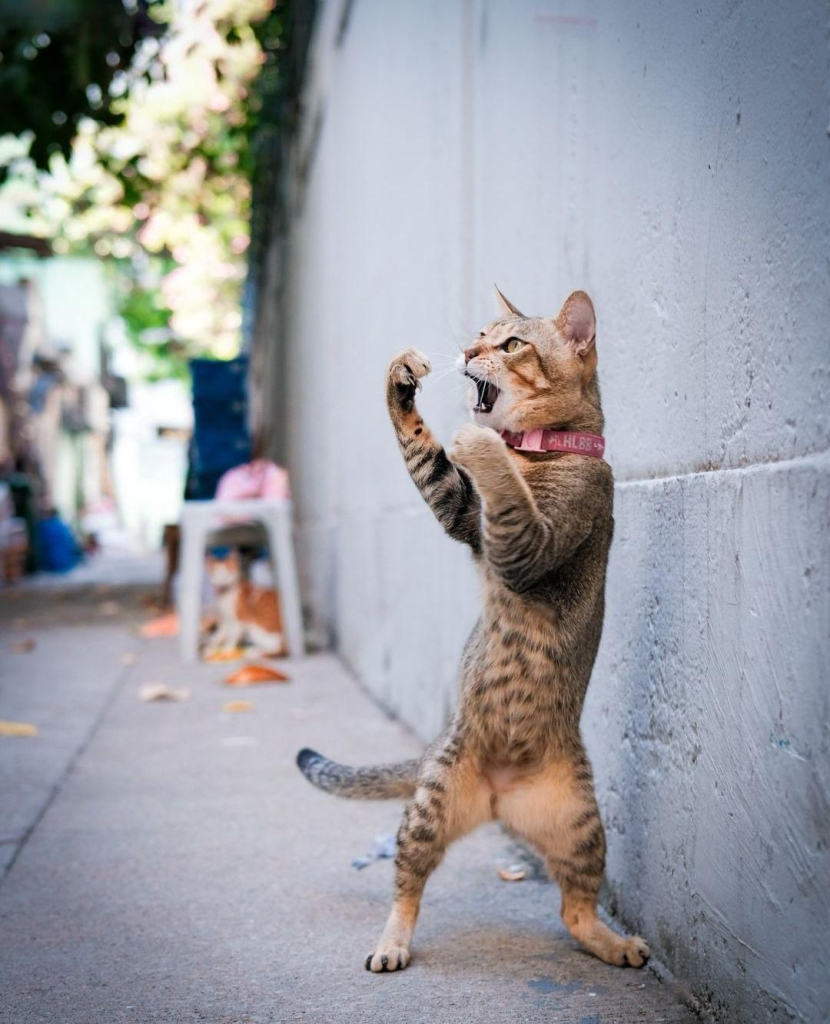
167, 863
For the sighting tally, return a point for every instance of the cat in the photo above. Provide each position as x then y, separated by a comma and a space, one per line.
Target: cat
539, 524
246, 613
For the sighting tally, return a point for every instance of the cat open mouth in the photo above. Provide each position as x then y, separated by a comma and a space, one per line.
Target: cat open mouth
486, 395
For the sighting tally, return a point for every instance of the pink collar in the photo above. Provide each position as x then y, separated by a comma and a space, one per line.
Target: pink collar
556, 441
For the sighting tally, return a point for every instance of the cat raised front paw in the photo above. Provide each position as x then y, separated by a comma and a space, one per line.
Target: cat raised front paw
404, 377
476, 447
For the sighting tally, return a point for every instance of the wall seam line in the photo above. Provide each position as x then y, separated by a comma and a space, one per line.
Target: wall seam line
773, 464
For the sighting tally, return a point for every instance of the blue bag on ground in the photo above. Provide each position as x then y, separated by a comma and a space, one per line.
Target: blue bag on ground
58, 550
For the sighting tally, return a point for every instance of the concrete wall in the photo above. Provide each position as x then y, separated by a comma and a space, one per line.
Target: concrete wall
673, 160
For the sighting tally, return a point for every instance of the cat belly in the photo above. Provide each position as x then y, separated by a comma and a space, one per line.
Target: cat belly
506, 778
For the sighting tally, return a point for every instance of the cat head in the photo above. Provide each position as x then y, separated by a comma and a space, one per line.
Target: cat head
532, 372
224, 572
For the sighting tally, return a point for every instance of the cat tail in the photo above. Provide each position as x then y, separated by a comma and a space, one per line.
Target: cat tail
378, 782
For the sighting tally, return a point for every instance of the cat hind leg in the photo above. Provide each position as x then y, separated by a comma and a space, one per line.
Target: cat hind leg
557, 813
451, 799
263, 642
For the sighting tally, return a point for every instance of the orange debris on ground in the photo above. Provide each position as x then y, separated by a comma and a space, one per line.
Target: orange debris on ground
227, 654
162, 625
251, 674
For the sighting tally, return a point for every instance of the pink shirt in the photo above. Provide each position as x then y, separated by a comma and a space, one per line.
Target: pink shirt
258, 479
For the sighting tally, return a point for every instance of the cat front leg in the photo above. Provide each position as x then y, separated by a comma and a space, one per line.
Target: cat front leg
227, 637
403, 381
234, 635
445, 488
516, 538
484, 455
521, 541
216, 642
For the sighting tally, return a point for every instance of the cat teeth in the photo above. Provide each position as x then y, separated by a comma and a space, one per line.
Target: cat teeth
487, 395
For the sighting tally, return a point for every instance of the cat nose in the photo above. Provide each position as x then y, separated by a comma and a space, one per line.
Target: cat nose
471, 352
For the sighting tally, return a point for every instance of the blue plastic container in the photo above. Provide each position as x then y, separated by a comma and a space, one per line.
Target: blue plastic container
221, 380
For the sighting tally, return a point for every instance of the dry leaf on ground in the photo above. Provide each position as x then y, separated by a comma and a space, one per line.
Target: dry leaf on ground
24, 646
17, 729
161, 691
109, 608
130, 658
251, 674
162, 625
233, 706
226, 654
515, 873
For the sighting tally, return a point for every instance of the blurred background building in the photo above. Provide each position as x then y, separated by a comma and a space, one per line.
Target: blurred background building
109, 459
126, 166
674, 161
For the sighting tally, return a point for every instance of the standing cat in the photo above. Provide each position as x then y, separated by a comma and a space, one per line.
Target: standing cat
538, 518
246, 613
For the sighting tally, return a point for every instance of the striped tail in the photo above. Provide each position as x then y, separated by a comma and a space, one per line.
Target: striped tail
379, 782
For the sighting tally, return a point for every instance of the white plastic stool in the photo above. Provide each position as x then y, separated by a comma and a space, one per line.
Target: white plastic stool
198, 521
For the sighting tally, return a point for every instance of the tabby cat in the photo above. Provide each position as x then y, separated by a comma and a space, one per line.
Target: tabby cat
539, 524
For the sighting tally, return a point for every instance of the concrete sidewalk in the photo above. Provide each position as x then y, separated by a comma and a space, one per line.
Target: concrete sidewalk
167, 862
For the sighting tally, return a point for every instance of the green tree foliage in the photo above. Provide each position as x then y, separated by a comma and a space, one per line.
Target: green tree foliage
58, 59
159, 178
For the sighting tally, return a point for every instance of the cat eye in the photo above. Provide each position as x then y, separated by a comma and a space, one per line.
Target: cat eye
512, 345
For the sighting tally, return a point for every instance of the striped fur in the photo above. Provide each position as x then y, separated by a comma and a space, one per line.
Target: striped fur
539, 526
380, 782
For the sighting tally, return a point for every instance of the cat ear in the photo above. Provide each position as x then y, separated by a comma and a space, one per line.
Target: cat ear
578, 323
506, 305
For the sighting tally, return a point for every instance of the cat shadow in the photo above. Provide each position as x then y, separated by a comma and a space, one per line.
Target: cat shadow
460, 949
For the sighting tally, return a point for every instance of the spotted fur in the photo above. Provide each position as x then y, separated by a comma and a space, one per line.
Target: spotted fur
539, 526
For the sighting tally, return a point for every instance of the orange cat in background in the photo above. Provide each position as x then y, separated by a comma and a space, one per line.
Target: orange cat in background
247, 613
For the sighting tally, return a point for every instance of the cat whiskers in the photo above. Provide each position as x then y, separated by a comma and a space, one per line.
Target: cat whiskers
442, 359
454, 336
446, 372
446, 364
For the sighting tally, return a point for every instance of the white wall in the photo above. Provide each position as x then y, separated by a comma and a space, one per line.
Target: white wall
673, 160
